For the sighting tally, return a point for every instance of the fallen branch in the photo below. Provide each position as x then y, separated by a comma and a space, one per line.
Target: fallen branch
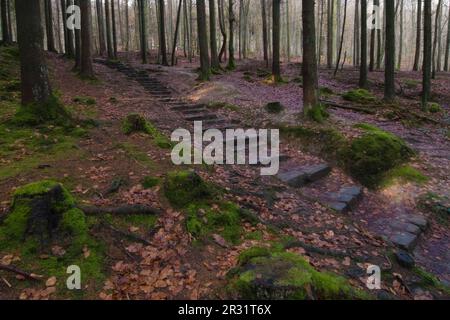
353, 108
18, 271
122, 210
126, 234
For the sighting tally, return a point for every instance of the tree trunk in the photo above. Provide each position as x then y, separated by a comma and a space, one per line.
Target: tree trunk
418, 36
400, 51
6, 36
127, 22
309, 67
276, 70
447, 48
363, 67
49, 25
109, 45
342, 39
223, 50
356, 36
427, 38
143, 37
87, 71
231, 17
77, 45
203, 40
162, 33
389, 89
175, 38
212, 34
373, 32
36, 90
101, 29
330, 34
264, 31
114, 29
436, 35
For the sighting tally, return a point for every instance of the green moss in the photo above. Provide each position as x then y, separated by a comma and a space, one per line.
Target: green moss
150, 182
438, 205
375, 153
183, 188
325, 91
434, 108
411, 83
52, 112
255, 235
404, 174
360, 96
88, 101
202, 221
429, 280
137, 123
247, 255
284, 275
274, 107
133, 151
318, 113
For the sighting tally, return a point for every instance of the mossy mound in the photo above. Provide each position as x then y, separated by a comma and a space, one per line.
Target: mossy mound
372, 155
35, 114
434, 107
43, 216
274, 107
265, 274
224, 220
150, 182
183, 188
360, 96
136, 123
318, 113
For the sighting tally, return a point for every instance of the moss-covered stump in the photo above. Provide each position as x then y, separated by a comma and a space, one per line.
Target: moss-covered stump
135, 123
372, 155
183, 188
271, 275
49, 234
360, 96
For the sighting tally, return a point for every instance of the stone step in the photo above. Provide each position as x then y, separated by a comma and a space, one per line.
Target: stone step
345, 199
406, 230
201, 117
185, 107
302, 176
194, 111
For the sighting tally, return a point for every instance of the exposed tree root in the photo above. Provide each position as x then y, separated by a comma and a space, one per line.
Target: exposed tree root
18, 271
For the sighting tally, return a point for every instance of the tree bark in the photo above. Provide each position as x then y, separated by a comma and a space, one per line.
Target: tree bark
114, 29
162, 33
49, 26
436, 35
232, 19
143, 37
363, 67
330, 34
86, 71
35, 84
213, 36
223, 50
447, 48
175, 38
389, 82
276, 70
418, 35
203, 40
109, 45
264, 31
342, 39
101, 27
77, 45
427, 55
309, 67
6, 36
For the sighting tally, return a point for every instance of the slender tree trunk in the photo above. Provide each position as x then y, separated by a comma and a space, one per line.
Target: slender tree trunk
309, 67
276, 70
379, 41
447, 48
77, 45
86, 71
6, 36
49, 26
101, 29
114, 31
342, 39
162, 33
109, 45
143, 37
175, 38
363, 67
213, 36
36, 90
400, 51
223, 50
330, 34
203, 40
127, 22
70, 36
373, 32
436, 35
427, 55
321, 22
232, 19
418, 35
264, 31
288, 33
389, 82
356, 36
63, 16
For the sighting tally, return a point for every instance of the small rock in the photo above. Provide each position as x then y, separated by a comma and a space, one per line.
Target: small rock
51, 282
405, 259
404, 240
220, 240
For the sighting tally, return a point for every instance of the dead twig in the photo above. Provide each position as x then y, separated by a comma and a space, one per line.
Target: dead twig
18, 271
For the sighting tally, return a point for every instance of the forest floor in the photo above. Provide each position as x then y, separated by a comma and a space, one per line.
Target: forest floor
170, 263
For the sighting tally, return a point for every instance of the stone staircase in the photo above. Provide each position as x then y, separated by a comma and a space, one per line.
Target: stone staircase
403, 231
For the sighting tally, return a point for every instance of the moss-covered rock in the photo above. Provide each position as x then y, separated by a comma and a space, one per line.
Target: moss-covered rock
372, 155
434, 107
264, 274
318, 113
136, 123
274, 107
183, 188
360, 96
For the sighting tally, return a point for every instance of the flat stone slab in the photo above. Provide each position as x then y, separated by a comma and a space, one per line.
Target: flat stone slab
201, 117
345, 199
404, 240
299, 177
405, 226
